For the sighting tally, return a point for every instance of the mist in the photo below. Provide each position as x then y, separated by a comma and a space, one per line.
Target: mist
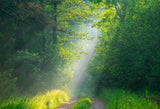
89, 47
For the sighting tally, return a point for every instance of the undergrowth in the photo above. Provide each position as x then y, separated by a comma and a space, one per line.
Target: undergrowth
50, 100
83, 103
120, 99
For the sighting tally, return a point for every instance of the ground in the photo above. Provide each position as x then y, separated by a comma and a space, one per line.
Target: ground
67, 105
97, 104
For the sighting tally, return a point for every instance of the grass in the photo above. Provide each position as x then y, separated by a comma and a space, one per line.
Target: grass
147, 92
49, 100
84, 93
83, 103
120, 99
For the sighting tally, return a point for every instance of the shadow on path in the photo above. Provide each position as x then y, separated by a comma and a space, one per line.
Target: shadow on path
97, 104
67, 105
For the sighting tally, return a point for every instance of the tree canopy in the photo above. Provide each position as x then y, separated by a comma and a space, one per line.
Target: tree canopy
128, 48
39, 42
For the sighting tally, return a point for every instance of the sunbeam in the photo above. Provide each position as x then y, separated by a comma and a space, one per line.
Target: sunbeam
88, 47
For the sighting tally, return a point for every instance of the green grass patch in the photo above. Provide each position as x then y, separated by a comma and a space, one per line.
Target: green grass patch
49, 100
148, 92
84, 93
83, 103
120, 99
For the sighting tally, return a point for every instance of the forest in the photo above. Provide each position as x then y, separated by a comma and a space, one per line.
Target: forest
52, 50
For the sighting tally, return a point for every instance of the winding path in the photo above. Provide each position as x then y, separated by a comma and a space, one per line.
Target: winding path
67, 105
97, 104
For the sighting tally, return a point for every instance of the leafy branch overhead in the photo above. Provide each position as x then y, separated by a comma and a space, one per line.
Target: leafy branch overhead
38, 40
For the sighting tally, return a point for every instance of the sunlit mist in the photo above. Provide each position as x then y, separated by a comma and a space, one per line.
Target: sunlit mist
88, 46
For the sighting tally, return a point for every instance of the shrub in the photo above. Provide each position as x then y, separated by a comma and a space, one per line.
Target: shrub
7, 84
82, 104
120, 99
50, 100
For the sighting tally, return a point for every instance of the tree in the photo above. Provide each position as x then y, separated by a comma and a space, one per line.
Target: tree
38, 41
127, 46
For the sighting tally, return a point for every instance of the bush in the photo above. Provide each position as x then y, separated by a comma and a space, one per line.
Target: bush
120, 99
26, 67
50, 100
82, 104
7, 84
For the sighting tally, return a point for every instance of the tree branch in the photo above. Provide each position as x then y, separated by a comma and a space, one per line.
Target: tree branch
14, 16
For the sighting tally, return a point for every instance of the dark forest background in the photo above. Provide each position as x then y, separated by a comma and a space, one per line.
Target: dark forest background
38, 40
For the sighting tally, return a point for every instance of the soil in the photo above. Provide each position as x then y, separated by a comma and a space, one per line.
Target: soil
67, 105
97, 104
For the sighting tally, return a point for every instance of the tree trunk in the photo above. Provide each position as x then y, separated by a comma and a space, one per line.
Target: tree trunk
43, 42
55, 24
43, 36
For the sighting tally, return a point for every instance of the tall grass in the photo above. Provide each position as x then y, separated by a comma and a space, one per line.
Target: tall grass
50, 100
83, 103
120, 99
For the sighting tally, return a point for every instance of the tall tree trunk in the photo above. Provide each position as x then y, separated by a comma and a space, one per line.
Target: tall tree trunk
55, 24
43, 42
43, 36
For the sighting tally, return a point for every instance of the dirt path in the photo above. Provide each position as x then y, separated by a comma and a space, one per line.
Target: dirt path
97, 104
67, 105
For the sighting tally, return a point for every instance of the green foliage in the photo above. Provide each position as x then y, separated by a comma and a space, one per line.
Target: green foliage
82, 104
15, 103
7, 84
96, 1
128, 49
120, 99
38, 42
51, 99
83, 92
26, 66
